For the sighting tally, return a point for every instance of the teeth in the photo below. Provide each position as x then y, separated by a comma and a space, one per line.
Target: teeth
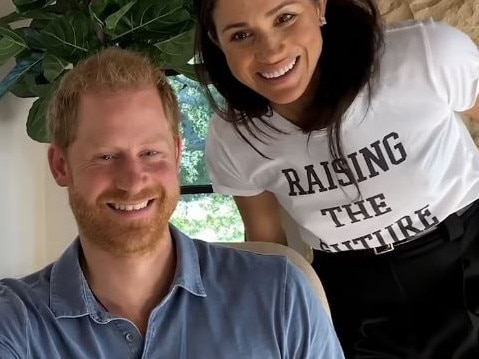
130, 207
280, 72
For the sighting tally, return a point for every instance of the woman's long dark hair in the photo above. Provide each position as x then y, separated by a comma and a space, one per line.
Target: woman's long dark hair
352, 44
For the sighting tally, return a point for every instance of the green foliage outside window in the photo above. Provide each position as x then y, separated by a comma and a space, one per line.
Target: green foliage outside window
212, 217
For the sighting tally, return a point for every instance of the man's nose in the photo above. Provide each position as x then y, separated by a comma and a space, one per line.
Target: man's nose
130, 175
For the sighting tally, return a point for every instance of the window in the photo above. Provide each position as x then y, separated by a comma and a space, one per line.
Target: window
200, 213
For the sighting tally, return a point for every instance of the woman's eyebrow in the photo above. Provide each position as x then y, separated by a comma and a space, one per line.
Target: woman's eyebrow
268, 13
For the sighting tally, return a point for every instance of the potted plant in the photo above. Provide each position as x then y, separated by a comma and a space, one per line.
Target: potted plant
59, 33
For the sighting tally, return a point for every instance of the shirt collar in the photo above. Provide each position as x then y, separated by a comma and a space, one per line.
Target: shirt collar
70, 294
188, 272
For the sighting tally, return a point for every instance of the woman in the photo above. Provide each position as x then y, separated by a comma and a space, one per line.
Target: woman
354, 130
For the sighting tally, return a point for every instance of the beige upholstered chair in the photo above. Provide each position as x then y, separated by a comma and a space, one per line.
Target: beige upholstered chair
294, 256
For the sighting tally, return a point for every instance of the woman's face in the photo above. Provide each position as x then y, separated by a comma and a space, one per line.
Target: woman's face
272, 46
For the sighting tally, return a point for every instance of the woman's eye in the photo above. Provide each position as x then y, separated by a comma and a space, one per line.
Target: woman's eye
285, 18
238, 36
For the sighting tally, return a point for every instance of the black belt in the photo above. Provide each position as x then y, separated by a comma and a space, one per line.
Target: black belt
425, 236
463, 213
392, 246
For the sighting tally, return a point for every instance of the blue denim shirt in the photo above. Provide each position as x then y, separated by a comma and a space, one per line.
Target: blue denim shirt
223, 303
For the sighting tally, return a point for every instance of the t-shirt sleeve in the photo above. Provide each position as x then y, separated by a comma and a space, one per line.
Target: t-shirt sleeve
227, 171
309, 331
454, 60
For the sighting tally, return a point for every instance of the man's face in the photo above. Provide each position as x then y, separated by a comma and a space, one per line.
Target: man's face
121, 171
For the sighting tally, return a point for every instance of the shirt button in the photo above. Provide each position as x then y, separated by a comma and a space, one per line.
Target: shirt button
129, 337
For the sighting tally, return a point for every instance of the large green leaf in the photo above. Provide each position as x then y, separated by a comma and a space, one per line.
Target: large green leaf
12, 17
32, 37
53, 66
105, 8
8, 49
149, 19
65, 6
186, 69
32, 3
26, 5
112, 20
37, 84
177, 50
95, 17
33, 83
22, 67
96, 9
189, 6
43, 14
37, 127
11, 44
37, 120
22, 89
71, 37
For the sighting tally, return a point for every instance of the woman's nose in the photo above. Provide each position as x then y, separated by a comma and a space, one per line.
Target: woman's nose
269, 48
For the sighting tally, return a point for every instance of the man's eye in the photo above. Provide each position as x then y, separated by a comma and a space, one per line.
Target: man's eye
150, 153
239, 36
106, 157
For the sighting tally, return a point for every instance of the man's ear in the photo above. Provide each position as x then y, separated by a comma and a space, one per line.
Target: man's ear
58, 165
179, 150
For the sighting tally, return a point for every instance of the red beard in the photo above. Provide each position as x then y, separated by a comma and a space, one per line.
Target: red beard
129, 237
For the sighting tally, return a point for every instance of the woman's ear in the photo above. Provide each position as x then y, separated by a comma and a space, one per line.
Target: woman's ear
323, 7
322, 12
213, 39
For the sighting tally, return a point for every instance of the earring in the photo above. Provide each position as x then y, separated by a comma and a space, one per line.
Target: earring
322, 21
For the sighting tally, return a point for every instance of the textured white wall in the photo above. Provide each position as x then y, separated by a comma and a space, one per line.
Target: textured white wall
35, 220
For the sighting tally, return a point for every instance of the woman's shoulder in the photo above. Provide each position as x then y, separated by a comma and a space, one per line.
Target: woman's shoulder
222, 134
224, 129
220, 127
409, 27
437, 37
413, 46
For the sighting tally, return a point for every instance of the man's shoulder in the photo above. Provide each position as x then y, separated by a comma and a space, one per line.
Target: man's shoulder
232, 256
240, 264
14, 296
24, 292
17, 300
276, 289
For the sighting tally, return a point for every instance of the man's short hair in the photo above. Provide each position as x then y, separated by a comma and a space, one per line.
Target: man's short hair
109, 71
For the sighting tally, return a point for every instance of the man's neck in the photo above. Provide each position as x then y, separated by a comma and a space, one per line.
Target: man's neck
130, 286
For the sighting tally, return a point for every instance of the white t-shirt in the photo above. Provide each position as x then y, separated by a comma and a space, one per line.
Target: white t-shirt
413, 158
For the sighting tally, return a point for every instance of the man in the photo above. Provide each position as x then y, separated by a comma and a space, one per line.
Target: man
131, 285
